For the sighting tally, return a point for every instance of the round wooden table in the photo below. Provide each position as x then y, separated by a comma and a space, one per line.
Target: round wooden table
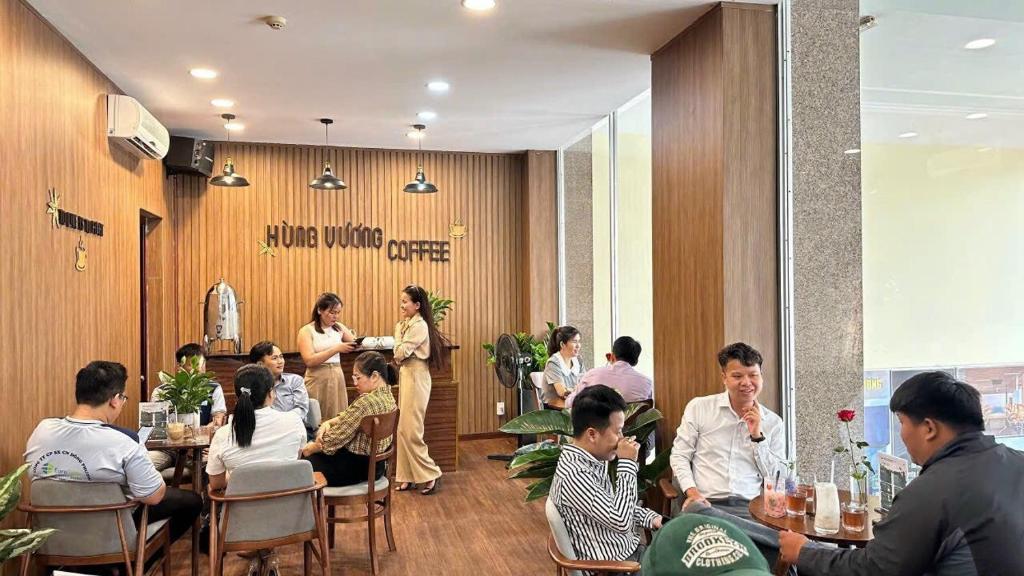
805, 525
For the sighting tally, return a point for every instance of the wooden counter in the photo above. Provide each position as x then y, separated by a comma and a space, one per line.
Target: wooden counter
440, 424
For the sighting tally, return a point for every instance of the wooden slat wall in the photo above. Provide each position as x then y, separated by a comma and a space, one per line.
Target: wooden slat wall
714, 202
53, 319
216, 232
541, 230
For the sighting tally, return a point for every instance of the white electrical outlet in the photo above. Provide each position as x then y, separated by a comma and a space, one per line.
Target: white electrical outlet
501, 409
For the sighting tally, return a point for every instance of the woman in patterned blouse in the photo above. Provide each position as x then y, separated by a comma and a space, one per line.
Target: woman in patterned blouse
341, 451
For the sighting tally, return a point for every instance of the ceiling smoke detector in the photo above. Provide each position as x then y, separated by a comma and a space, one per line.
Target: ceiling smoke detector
275, 22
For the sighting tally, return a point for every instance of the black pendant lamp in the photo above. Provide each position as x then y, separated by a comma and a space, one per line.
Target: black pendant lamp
327, 180
229, 177
420, 185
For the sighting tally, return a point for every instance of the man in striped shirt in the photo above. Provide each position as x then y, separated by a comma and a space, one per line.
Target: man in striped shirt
602, 519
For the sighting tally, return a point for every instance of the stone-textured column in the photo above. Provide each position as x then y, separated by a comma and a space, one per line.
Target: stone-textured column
828, 301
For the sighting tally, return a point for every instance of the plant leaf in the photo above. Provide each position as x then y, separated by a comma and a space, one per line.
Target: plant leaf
544, 455
24, 543
544, 470
651, 472
651, 417
538, 489
10, 490
839, 450
540, 422
862, 444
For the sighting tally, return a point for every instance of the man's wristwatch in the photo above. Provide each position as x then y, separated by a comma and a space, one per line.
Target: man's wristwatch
760, 439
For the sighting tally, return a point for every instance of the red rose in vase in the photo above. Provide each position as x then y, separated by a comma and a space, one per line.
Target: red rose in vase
846, 415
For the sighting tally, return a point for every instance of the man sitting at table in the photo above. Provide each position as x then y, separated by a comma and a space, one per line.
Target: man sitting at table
601, 518
619, 375
960, 516
213, 411
290, 393
727, 442
84, 447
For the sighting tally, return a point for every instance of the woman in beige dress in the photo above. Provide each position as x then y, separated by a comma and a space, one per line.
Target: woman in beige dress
321, 343
418, 347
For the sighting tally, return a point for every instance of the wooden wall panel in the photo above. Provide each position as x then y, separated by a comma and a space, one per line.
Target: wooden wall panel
714, 198
53, 319
541, 239
216, 232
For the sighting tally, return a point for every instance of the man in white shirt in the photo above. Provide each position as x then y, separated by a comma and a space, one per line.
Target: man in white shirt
86, 447
727, 442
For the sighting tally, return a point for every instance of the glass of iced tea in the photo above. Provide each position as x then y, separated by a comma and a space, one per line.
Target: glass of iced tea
855, 517
808, 489
796, 499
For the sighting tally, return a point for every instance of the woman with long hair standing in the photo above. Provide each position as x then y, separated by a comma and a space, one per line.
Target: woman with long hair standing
321, 343
419, 346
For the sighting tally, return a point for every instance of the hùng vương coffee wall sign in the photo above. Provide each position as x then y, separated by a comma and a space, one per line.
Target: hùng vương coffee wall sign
352, 237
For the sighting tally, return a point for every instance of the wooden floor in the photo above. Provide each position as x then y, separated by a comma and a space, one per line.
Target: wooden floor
477, 523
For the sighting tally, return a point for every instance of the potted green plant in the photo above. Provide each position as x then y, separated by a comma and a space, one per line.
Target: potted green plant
439, 306
539, 460
186, 390
528, 344
17, 541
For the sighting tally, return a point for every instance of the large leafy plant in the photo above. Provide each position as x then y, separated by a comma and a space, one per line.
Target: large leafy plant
18, 541
528, 344
187, 388
539, 460
439, 306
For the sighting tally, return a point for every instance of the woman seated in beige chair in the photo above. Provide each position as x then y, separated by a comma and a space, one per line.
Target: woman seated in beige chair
257, 433
341, 450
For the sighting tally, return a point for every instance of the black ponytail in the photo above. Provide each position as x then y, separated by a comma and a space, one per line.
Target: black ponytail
370, 362
560, 336
252, 385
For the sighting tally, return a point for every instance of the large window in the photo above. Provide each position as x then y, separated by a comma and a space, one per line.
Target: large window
942, 160
606, 226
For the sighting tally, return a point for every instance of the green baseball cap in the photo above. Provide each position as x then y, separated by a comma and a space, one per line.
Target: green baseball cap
697, 545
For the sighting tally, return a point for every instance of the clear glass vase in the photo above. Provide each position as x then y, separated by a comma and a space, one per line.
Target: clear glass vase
855, 511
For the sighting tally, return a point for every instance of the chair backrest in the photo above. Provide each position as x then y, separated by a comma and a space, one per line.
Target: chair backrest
538, 387
313, 415
274, 516
560, 532
82, 533
378, 428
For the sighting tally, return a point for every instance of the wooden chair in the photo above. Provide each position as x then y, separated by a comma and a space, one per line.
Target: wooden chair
266, 505
561, 551
670, 494
94, 527
375, 495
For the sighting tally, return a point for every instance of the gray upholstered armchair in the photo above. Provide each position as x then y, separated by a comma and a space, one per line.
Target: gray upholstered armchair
94, 526
286, 492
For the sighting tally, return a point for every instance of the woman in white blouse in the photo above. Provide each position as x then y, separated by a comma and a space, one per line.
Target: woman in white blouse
563, 368
321, 343
256, 433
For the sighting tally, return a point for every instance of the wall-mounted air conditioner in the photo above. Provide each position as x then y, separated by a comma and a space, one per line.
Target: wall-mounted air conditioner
131, 125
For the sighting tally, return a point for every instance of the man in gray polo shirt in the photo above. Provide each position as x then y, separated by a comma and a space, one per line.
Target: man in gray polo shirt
86, 447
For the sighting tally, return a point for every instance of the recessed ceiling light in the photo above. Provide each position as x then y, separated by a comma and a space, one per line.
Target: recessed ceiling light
979, 43
427, 115
908, 135
438, 86
985, 149
976, 116
222, 102
478, 4
852, 151
415, 135
234, 126
204, 73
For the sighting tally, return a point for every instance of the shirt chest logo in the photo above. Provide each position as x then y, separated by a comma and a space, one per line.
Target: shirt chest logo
711, 547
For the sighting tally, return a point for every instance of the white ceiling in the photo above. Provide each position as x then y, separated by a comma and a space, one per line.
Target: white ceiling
917, 76
529, 74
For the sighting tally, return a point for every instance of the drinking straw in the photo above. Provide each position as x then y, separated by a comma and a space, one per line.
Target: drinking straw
832, 476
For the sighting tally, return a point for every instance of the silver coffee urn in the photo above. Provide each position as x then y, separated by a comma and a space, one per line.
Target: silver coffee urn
222, 321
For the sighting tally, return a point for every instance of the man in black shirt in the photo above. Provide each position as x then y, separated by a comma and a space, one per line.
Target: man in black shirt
961, 516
